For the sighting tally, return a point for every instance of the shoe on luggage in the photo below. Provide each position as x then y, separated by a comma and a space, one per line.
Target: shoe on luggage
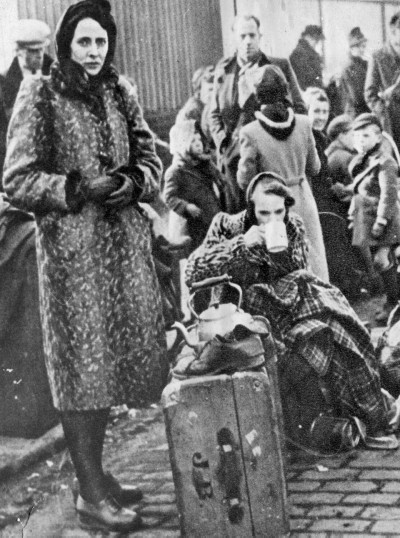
106, 515
222, 355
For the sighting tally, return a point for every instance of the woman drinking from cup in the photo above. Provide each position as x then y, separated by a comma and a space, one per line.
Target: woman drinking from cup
81, 157
319, 338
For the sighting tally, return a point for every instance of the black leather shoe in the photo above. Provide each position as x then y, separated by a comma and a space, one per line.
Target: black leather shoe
124, 494
106, 515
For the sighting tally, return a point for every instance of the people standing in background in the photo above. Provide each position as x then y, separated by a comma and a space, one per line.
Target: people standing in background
306, 58
31, 37
281, 142
339, 154
382, 84
318, 114
346, 268
233, 102
374, 212
352, 79
193, 107
191, 180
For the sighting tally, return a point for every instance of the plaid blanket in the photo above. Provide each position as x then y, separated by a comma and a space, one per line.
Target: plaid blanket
308, 316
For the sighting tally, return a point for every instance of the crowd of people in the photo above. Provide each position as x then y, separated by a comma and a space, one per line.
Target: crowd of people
272, 114
260, 140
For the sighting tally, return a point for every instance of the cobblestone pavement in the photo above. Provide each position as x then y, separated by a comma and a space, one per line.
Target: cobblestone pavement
352, 494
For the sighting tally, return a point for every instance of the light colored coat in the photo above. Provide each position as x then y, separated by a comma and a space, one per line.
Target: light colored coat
294, 159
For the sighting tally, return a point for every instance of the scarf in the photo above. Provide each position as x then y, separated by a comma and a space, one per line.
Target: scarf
358, 163
70, 79
278, 120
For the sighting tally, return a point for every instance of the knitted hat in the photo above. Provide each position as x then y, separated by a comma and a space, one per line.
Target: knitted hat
272, 183
363, 120
181, 136
272, 87
356, 37
313, 31
31, 33
338, 125
100, 11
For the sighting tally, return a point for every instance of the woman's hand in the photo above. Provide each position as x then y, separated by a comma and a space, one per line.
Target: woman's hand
123, 195
378, 230
254, 236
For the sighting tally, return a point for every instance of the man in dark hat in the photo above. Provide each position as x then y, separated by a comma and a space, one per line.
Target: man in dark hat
352, 79
31, 37
233, 101
305, 58
382, 85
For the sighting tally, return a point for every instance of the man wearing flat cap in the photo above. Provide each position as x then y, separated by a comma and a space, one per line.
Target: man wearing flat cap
305, 60
31, 37
352, 79
382, 85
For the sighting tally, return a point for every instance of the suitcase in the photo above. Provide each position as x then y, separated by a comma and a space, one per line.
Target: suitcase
224, 437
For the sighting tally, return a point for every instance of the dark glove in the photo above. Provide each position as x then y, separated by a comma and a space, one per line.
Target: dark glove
123, 195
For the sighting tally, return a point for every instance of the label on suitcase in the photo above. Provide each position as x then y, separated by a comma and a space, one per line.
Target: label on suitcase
226, 456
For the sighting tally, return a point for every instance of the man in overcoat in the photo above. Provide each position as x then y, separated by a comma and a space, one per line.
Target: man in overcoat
233, 101
305, 60
382, 85
352, 79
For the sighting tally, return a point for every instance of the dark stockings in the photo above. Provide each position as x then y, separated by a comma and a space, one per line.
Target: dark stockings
84, 433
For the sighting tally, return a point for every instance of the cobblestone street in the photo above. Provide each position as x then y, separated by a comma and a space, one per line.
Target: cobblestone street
352, 494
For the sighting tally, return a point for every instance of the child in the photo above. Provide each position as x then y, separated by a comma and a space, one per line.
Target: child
374, 211
191, 180
339, 153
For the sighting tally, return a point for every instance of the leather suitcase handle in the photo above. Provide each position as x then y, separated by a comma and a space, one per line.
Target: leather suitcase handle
210, 282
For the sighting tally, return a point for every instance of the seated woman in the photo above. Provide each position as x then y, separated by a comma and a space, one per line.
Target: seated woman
317, 334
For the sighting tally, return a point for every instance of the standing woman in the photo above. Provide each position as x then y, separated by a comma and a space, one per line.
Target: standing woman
80, 156
281, 141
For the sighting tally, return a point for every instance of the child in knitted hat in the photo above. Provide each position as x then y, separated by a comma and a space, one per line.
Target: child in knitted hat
191, 181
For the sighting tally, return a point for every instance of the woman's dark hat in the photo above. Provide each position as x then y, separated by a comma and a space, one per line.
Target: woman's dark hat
363, 120
272, 183
100, 11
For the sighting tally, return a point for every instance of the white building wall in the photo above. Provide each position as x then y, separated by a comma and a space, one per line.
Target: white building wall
282, 22
8, 16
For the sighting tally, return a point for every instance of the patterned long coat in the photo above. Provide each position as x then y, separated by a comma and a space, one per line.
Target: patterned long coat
100, 303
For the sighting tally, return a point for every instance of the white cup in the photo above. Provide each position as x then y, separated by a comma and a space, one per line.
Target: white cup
275, 236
